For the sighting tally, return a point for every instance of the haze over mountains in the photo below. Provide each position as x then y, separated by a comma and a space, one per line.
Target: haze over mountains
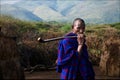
94, 11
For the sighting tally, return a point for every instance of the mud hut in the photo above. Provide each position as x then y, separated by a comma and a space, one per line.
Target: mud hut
10, 67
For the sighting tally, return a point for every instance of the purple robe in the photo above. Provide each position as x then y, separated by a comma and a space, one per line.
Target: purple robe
70, 64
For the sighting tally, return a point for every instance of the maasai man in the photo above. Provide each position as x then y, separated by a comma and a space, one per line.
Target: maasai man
73, 61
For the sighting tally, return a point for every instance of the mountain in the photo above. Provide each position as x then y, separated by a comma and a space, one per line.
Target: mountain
104, 12
31, 5
48, 14
19, 13
58, 10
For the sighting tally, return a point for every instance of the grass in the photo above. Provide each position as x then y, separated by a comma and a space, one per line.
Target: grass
116, 25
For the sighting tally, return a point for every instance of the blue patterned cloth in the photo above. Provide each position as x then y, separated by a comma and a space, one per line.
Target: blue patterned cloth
70, 64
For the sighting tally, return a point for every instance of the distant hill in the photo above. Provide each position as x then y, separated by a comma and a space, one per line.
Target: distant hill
47, 13
19, 13
59, 10
106, 13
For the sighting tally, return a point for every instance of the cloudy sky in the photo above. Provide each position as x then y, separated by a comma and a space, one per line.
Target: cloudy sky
9, 1
14, 1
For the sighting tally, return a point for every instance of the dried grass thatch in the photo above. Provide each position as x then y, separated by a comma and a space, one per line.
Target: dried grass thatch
8, 48
110, 59
10, 67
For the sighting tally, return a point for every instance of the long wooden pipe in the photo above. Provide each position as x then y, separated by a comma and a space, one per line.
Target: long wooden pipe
54, 39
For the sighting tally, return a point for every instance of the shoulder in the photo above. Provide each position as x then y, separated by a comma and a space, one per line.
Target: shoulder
68, 40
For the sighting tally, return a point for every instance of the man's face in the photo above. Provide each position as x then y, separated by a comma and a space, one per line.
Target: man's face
78, 27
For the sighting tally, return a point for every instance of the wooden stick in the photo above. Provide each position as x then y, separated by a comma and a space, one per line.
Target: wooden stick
54, 39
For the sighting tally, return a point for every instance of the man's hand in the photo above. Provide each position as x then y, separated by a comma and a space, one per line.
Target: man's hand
80, 39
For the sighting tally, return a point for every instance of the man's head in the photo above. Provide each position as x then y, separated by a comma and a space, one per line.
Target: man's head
78, 25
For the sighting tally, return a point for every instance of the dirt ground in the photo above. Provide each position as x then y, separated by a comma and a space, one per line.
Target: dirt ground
52, 74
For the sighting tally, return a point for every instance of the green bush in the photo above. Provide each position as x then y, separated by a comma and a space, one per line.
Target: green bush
65, 28
116, 25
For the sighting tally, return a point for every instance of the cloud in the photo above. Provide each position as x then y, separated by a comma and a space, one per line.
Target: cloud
9, 1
